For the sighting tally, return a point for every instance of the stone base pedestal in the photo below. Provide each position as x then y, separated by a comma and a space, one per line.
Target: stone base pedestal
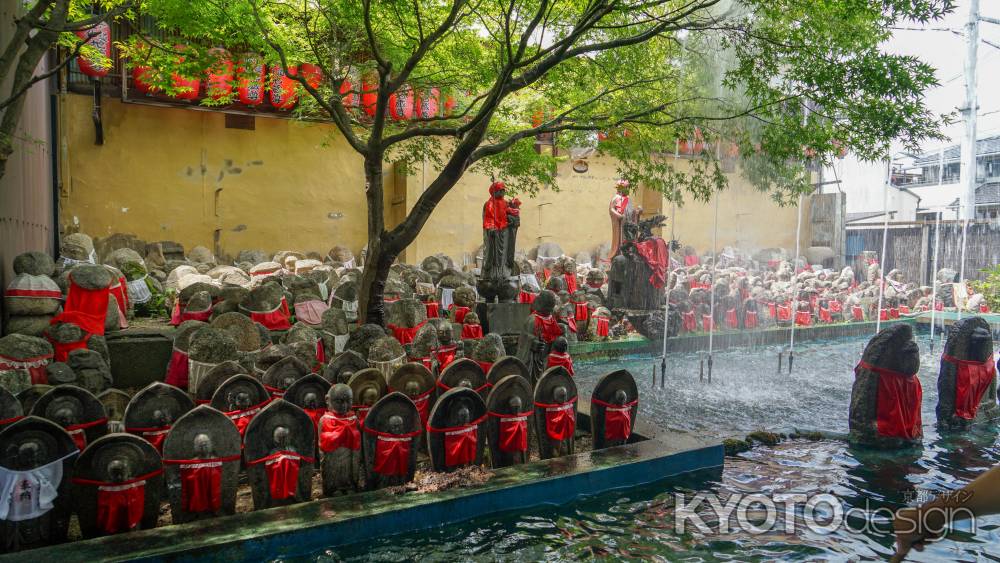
505, 318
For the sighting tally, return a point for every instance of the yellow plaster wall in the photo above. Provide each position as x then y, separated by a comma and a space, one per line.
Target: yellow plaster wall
175, 174
748, 219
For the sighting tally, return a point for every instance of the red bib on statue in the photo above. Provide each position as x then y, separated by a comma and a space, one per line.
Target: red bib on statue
336, 432
898, 406
392, 454
278, 318
971, 382
547, 328
617, 420
560, 420
458, 313
563, 360
472, 332
282, 472
513, 432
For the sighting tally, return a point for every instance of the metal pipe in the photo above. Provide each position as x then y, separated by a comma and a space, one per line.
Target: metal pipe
666, 300
885, 240
961, 268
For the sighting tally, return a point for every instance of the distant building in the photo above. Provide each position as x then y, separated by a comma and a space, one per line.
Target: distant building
936, 177
922, 186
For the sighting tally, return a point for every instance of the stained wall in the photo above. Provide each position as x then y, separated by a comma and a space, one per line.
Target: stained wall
177, 174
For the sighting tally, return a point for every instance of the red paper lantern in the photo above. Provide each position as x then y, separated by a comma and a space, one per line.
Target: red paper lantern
251, 83
313, 74
401, 104
369, 96
95, 67
537, 118
428, 103
449, 105
142, 78
189, 87
283, 91
219, 83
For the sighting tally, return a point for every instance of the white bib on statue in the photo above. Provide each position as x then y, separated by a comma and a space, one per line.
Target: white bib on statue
29, 494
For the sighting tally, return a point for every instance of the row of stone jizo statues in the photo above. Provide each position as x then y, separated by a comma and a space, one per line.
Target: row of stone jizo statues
366, 433
886, 399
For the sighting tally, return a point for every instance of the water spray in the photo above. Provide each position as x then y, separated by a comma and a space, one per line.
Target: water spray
885, 240
961, 267
711, 295
795, 286
666, 298
937, 240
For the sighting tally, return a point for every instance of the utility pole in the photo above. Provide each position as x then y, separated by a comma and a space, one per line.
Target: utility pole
968, 174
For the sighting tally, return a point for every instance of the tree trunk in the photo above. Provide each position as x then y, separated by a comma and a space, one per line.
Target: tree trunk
382, 250
372, 289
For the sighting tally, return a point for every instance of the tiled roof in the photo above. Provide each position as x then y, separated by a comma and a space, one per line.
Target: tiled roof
985, 194
989, 145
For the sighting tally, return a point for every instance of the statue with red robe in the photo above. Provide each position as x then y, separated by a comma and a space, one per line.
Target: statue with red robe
622, 211
500, 221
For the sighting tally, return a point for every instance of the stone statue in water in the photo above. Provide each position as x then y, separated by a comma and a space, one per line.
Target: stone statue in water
500, 222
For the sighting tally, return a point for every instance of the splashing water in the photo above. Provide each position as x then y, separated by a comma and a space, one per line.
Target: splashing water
747, 394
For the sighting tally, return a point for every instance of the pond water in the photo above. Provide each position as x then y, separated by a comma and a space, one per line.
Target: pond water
746, 394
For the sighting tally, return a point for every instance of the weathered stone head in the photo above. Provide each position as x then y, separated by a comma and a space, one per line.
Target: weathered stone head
545, 303
465, 296
340, 398
396, 424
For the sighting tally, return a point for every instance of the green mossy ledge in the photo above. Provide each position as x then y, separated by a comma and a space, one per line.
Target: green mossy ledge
654, 455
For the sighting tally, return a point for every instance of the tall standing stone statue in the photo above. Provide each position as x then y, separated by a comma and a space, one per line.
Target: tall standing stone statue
279, 447
967, 382
500, 223
36, 461
75, 409
613, 407
416, 382
388, 441
152, 411
510, 410
240, 398
309, 394
538, 333
555, 413
201, 456
117, 485
886, 395
621, 211
340, 442
456, 430
368, 386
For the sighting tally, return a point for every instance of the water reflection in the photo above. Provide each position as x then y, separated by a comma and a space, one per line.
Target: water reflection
746, 394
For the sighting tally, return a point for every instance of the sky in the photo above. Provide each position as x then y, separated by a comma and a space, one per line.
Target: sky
946, 52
